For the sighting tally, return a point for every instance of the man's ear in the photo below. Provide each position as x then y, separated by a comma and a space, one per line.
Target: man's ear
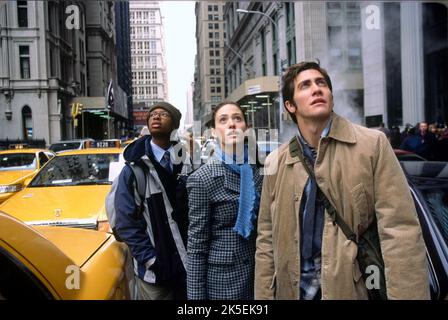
290, 106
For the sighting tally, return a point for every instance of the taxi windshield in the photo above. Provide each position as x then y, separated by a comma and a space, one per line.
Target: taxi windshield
17, 161
75, 170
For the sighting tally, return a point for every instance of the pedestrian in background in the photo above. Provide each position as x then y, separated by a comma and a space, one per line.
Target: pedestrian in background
223, 207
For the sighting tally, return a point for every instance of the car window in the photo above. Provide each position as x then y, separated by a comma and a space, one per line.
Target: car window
73, 170
56, 147
437, 201
17, 161
42, 158
410, 157
17, 282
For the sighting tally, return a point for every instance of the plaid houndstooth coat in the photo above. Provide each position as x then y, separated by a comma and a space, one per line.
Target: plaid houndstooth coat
220, 263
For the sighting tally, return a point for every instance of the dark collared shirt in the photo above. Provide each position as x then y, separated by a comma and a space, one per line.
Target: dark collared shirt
310, 266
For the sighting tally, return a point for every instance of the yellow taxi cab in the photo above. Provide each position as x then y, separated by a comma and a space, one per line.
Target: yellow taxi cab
70, 190
62, 263
70, 145
17, 166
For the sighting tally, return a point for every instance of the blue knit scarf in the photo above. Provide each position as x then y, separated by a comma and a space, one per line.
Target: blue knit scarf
249, 197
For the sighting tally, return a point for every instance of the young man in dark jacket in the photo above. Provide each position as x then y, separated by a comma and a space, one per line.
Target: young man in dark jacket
156, 229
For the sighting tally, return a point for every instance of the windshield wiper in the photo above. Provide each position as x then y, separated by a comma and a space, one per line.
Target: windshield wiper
89, 183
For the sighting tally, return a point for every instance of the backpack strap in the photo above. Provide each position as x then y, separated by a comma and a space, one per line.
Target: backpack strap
140, 178
328, 206
138, 169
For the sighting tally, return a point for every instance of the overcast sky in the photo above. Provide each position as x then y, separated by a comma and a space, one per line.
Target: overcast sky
180, 45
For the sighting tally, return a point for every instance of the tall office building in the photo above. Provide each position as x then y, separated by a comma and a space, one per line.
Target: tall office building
282, 34
405, 62
149, 73
388, 61
123, 46
209, 85
42, 68
54, 54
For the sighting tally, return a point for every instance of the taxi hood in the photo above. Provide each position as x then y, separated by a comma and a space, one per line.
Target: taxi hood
10, 177
73, 206
77, 244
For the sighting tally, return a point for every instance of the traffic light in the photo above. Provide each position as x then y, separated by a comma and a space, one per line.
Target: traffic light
76, 109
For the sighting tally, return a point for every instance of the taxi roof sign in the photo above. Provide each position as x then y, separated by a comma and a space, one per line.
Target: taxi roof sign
111, 143
18, 146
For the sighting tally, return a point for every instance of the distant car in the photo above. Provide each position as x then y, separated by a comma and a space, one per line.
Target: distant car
69, 145
17, 166
405, 155
69, 191
61, 263
428, 182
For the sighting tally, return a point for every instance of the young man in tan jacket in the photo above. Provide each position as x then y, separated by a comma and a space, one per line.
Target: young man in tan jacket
301, 252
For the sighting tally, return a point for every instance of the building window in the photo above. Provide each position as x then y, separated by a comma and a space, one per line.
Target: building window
27, 123
289, 14
24, 56
152, 48
210, 35
22, 14
334, 5
291, 48
216, 25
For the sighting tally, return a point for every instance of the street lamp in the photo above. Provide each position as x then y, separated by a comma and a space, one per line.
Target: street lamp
279, 62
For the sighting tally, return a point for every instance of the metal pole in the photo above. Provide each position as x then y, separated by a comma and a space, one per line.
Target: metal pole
108, 123
269, 114
83, 124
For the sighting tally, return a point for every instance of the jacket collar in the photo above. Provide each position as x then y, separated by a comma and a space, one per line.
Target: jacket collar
341, 130
217, 169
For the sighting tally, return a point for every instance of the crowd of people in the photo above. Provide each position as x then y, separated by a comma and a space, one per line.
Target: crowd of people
428, 141
234, 229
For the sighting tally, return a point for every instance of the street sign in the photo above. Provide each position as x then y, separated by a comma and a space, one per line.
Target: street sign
254, 89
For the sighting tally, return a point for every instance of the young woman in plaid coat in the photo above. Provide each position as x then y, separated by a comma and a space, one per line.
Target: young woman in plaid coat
223, 202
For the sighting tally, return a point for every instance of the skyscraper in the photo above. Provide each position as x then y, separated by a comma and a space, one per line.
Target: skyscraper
149, 76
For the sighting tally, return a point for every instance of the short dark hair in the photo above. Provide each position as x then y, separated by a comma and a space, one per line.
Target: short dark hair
222, 104
290, 76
